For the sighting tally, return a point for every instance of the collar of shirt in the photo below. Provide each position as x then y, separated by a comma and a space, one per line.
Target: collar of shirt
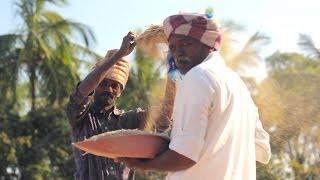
114, 110
216, 58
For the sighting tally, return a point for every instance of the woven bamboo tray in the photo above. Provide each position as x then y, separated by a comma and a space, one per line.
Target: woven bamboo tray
125, 143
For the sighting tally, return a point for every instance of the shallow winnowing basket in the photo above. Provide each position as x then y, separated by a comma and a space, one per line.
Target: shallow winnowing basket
125, 143
151, 40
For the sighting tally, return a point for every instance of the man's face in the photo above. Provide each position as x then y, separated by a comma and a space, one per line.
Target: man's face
187, 52
107, 92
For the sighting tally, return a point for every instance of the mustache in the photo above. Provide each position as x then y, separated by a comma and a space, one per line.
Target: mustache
183, 60
106, 94
104, 99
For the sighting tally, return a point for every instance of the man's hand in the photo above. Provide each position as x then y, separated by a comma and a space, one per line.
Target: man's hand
127, 45
167, 161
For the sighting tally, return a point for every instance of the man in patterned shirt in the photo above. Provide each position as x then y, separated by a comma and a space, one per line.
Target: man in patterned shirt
91, 111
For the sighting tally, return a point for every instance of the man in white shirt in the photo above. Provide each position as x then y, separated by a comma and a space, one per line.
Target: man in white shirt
216, 131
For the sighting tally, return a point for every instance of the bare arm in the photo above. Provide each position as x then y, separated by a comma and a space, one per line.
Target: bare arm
168, 161
93, 79
262, 144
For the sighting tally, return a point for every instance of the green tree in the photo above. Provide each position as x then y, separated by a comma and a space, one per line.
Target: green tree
289, 105
39, 63
42, 53
145, 86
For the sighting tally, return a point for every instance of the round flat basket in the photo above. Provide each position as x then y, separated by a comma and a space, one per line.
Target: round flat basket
125, 143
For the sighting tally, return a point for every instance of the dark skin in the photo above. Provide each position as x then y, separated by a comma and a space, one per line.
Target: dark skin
106, 93
106, 90
187, 53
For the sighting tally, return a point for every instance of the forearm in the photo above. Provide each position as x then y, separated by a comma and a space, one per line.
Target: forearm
93, 79
97, 75
168, 161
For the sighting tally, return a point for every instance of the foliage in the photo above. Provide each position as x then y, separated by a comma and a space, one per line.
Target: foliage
145, 86
289, 106
36, 146
42, 53
38, 64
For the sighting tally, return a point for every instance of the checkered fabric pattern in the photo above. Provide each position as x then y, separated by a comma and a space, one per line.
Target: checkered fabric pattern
197, 26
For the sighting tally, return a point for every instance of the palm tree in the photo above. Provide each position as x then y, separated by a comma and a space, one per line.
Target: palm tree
39, 62
248, 56
307, 45
42, 53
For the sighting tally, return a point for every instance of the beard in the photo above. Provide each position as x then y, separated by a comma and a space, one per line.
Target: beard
183, 64
183, 60
104, 99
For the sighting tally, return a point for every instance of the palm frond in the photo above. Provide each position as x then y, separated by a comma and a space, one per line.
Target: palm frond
65, 27
307, 45
44, 48
59, 26
26, 11
230, 31
230, 27
49, 16
58, 2
9, 67
85, 51
84, 31
49, 79
249, 55
8, 43
40, 4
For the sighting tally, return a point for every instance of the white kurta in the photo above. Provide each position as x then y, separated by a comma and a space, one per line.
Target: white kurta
216, 124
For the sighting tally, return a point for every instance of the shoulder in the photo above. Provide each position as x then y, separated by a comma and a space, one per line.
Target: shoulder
199, 76
197, 73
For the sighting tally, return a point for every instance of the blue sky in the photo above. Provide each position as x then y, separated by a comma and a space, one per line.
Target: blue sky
281, 20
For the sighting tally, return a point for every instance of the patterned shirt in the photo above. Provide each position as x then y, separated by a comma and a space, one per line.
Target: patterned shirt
87, 121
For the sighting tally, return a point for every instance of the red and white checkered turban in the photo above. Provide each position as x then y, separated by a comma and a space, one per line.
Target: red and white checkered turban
197, 26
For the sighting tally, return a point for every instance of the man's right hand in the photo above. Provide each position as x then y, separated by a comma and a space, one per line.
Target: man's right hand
127, 45
93, 79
